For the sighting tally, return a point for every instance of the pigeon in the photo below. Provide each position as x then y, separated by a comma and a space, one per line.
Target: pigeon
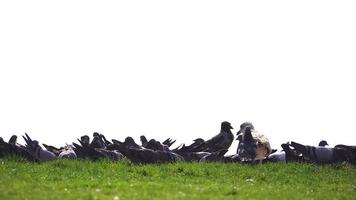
253, 146
36, 150
13, 149
146, 156
52, 149
247, 146
320, 155
67, 153
217, 156
13, 139
144, 141
219, 142
97, 141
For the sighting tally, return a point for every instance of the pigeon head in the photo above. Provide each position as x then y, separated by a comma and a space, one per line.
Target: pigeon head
226, 126
96, 134
243, 126
323, 143
154, 145
166, 148
35, 143
143, 138
200, 140
85, 139
130, 141
13, 139
97, 143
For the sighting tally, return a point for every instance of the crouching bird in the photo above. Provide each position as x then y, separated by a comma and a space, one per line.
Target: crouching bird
320, 155
62, 152
145, 156
36, 150
214, 157
12, 148
86, 150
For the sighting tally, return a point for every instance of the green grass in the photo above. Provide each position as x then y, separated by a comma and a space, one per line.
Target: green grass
65, 179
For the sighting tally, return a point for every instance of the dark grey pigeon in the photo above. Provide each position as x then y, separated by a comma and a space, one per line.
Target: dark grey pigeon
97, 141
221, 141
13, 149
145, 156
192, 152
131, 142
87, 152
215, 156
247, 146
291, 154
123, 147
348, 151
277, 157
85, 140
320, 155
36, 150
196, 146
194, 156
144, 141
111, 154
52, 149
154, 145
13, 139
231, 158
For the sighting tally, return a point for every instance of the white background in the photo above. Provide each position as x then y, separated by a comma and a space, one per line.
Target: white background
178, 69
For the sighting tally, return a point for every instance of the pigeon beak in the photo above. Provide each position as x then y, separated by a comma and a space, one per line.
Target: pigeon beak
231, 127
238, 132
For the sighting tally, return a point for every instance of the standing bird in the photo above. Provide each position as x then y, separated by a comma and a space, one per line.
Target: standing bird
247, 146
243, 127
253, 146
221, 141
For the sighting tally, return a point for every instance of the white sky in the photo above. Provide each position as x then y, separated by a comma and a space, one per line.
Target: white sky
178, 68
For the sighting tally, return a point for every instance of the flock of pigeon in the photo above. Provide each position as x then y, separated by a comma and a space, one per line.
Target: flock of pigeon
253, 147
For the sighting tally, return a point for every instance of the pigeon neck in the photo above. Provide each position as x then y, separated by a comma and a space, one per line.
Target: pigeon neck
225, 130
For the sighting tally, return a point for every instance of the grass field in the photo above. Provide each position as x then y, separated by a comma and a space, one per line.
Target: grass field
65, 179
